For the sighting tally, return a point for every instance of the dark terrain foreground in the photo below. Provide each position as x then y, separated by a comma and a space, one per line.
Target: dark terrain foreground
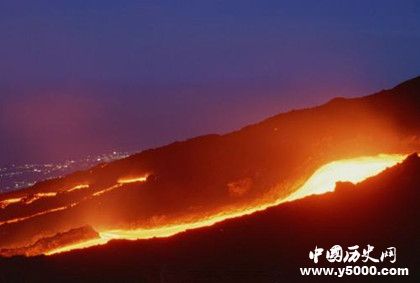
193, 179
268, 246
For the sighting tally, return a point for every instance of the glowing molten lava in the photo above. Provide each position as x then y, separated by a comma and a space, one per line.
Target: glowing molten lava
7, 202
133, 179
78, 187
323, 180
350, 170
35, 197
26, 200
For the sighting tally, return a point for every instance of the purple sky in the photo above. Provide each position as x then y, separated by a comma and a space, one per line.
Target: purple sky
80, 77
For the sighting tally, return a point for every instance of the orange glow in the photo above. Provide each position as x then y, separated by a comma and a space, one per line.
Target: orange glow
81, 245
27, 199
15, 220
6, 202
45, 195
98, 193
350, 170
37, 196
133, 179
122, 182
323, 180
78, 187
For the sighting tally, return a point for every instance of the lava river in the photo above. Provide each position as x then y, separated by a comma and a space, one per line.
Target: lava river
323, 180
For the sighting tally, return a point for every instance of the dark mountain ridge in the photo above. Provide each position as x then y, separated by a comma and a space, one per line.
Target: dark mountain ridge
192, 179
267, 246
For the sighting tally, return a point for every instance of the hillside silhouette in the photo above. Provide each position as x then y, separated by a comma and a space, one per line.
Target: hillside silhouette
267, 246
189, 180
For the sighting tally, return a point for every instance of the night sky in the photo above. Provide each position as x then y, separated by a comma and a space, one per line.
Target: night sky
80, 77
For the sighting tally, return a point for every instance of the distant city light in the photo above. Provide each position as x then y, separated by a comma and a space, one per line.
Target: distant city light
16, 177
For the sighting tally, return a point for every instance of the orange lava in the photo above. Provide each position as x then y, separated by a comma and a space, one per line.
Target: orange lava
78, 187
15, 220
27, 199
7, 202
37, 196
32, 198
350, 170
323, 180
133, 179
98, 193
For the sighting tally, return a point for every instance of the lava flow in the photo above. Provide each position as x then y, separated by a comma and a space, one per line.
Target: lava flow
350, 170
323, 180
27, 199
133, 179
